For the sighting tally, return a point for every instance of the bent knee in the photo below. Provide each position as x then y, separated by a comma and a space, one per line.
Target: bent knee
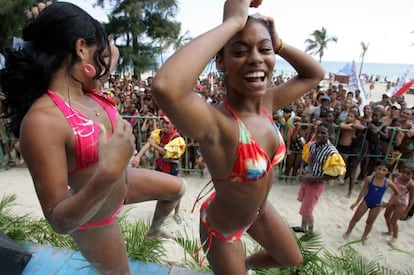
183, 188
180, 191
295, 260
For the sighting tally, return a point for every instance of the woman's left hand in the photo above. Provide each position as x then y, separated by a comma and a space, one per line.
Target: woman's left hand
270, 22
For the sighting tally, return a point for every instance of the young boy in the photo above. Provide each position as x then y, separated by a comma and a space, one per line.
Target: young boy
370, 199
321, 162
399, 209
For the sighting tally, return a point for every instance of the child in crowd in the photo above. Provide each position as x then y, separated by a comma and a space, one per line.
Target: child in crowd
377, 139
349, 145
297, 137
372, 193
399, 209
321, 162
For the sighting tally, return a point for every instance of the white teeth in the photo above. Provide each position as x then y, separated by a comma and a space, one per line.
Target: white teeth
255, 74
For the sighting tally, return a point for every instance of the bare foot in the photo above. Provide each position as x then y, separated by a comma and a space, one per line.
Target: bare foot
345, 235
158, 234
363, 240
392, 242
177, 218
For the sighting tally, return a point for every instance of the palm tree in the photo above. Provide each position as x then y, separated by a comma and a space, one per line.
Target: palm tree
364, 47
181, 40
319, 43
176, 43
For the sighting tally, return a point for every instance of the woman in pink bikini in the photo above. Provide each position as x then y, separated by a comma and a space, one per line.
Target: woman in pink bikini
238, 139
73, 141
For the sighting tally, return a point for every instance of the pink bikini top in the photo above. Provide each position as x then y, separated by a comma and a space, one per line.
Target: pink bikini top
86, 131
252, 162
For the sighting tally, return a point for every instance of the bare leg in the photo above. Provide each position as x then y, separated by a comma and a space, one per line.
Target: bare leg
224, 258
280, 248
309, 221
104, 248
372, 216
387, 215
399, 210
146, 185
177, 218
361, 210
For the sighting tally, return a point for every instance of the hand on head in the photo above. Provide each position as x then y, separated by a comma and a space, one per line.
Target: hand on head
236, 11
35, 10
270, 22
255, 3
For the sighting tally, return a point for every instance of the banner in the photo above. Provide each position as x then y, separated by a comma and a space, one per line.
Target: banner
354, 83
400, 83
404, 88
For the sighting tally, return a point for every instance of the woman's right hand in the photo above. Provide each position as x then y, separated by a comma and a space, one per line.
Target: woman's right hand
35, 10
135, 162
116, 152
236, 10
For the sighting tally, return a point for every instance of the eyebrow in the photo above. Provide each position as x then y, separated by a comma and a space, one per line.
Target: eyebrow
246, 44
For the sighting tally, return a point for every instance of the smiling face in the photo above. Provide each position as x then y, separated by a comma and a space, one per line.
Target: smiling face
248, 59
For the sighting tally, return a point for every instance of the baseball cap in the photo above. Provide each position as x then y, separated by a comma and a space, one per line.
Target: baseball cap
395, 105
325, 97
166, 119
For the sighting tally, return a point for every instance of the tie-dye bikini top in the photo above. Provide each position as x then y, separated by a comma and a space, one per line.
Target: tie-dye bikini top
86, 131
252, 162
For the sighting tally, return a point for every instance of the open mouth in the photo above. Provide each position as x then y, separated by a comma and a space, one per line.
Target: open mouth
255, 77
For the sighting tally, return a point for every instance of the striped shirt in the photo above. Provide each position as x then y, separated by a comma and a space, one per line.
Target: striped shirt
319, 153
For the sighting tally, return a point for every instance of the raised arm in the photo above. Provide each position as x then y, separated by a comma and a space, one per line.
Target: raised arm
309, 71
173, 84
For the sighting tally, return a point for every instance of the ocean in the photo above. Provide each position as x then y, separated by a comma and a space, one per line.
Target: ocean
385, 71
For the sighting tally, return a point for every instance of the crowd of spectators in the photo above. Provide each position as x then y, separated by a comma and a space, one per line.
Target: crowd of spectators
365, 132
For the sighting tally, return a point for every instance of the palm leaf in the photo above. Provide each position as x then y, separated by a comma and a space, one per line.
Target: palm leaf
137, 246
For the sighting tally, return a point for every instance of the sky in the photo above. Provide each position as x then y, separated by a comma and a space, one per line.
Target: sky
387, 26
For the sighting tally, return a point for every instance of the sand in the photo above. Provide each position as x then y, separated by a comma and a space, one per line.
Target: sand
332, 213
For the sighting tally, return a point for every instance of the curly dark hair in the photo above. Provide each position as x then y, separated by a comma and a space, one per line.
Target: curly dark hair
52, 35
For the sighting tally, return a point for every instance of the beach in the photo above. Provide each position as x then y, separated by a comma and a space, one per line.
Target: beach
332, 214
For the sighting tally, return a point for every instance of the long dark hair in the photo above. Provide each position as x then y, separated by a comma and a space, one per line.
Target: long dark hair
52, 37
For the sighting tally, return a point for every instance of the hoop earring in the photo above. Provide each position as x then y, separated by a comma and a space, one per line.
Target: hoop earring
89, 70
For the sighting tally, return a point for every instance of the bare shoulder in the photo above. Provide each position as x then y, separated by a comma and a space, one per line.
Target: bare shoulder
43, 121
390, 184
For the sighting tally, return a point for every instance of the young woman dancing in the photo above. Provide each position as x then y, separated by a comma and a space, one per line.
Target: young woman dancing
238, 139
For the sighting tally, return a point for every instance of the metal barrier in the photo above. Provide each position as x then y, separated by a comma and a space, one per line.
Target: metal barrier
188, 161
390, 155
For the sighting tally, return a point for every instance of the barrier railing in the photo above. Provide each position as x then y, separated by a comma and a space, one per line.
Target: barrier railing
188, 160
390, 154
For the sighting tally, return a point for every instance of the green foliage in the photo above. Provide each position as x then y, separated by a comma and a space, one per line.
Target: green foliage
316, 260
319, 42
137, 246
190, 246
142, 29
23, 229
12, 20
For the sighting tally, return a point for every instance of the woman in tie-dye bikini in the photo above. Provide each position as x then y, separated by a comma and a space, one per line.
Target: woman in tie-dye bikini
238, 139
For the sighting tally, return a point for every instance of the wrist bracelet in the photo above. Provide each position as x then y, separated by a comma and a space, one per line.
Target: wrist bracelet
280, 46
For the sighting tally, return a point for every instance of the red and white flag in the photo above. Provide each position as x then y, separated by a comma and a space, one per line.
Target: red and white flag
400, 84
